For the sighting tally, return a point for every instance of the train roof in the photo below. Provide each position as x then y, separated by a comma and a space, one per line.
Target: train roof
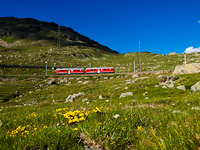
68, 68
99, 67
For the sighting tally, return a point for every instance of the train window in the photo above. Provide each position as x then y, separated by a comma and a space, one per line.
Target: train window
104, 69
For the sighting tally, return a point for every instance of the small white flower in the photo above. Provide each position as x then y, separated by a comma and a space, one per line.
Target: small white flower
87, 102
188, 104
120, 103
107, 100
116, 116
173, 104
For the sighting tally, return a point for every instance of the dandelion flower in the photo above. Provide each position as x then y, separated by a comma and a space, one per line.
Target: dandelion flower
75, 129
58, 131
139, 128
125, 118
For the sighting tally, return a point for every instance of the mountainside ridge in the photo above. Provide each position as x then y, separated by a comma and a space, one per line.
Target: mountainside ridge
40, 30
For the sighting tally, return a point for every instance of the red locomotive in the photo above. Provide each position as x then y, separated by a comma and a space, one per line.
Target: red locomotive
60, 71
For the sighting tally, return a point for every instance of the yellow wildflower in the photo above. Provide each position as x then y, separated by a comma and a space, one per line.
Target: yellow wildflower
75, 129
81, 119
139, 128
58, 131
70, 121
123, 128
45, 127
125, 118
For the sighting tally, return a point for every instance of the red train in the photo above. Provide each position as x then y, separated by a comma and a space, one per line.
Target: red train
60, 71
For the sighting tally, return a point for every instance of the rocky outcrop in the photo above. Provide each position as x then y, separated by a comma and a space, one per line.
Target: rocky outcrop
196, 87
187, 69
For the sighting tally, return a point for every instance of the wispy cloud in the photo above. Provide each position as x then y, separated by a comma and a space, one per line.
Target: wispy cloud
191, 49
198, 21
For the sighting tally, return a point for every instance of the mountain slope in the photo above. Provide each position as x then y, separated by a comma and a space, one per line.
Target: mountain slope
32, 29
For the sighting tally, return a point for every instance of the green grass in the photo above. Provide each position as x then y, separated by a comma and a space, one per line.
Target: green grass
161, 119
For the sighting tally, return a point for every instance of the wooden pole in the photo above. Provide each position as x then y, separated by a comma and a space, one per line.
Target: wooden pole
139, 56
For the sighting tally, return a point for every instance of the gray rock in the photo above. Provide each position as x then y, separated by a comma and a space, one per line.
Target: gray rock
145, 93
87, 82
135, 76
196, 87
170, 85
52, 82
71, 98
126, 94
85, 99
181, 87
100, 97
162, 78
80, 81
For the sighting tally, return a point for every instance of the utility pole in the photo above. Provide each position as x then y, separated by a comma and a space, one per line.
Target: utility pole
46, 68
185, 58
58, 42
139, 56
134, 65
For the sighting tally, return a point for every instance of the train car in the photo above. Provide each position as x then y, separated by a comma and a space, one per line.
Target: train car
62, 71
100, 70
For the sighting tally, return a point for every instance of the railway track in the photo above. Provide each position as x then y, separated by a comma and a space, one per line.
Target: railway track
69, 75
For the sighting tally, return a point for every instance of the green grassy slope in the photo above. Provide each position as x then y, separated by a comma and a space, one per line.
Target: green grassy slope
159, 119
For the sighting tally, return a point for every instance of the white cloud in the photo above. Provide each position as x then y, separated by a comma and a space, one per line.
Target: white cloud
198, 21
191, 49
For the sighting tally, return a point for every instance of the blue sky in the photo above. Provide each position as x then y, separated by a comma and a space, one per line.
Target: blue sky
162, 26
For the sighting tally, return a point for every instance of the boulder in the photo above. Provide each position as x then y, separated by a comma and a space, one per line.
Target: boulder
162, 78
135, 76
71, 98
87, 82
100, 97
187, 69
52, 81
170, 85
181, 87
80, 82
126, 94
196, 87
